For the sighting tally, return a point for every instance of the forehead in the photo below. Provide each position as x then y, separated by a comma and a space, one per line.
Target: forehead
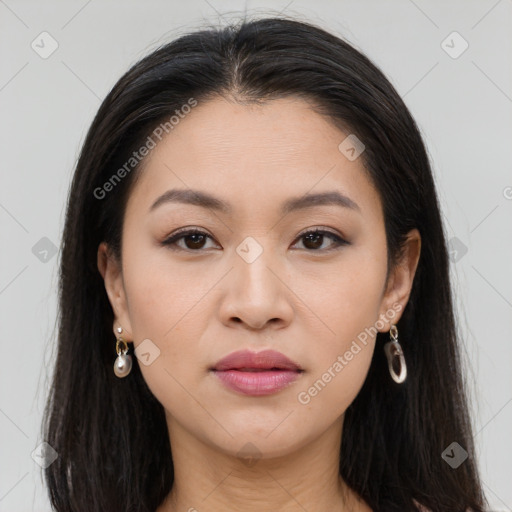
253, 155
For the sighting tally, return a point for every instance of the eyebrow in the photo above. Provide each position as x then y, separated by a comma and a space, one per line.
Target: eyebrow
205, 200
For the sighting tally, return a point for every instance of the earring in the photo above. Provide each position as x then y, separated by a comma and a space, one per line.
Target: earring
123, 362
393, 350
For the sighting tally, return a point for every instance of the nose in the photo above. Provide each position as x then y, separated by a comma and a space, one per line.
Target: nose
257, 294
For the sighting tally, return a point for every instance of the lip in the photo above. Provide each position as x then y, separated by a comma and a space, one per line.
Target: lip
257, 373
264, 360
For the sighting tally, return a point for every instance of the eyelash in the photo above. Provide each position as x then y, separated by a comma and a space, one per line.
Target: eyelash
171, 241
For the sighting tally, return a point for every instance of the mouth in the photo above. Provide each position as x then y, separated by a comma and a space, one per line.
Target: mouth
257, 374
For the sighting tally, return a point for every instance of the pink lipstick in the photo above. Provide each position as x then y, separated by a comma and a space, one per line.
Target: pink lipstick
257, 373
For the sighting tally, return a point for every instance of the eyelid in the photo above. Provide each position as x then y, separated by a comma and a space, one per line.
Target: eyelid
321, 229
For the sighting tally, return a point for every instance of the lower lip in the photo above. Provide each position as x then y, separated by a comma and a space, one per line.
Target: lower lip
257, 383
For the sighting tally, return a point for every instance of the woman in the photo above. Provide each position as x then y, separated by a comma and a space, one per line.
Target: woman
255, 305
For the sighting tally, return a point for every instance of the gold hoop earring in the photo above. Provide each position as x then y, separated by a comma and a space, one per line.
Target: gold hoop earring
394, 353
123, 362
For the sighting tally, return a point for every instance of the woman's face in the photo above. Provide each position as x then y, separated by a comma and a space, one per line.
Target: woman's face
256, 278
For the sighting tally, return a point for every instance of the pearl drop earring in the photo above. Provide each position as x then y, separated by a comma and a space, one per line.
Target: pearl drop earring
123, 362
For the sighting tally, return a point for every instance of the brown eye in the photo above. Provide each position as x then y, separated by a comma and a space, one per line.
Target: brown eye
194, 240
314, 240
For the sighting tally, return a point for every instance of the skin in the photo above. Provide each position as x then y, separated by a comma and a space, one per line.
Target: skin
308, 303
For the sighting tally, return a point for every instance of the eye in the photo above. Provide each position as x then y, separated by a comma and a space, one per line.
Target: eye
314, 240
194, 240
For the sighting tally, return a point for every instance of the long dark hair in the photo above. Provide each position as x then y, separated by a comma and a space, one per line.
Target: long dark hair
111, 434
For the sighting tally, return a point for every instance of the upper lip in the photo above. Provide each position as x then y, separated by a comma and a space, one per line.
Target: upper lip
266, 359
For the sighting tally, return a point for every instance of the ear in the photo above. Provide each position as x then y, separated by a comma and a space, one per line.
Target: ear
399, 285
110, 270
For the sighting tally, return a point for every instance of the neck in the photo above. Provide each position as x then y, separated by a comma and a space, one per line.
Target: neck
307, 478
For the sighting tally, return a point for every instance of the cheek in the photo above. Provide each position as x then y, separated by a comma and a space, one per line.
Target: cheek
165, 307
170, 307
347, 301
160, 294
346, 296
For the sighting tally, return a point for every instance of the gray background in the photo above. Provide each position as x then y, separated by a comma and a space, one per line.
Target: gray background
463, 106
